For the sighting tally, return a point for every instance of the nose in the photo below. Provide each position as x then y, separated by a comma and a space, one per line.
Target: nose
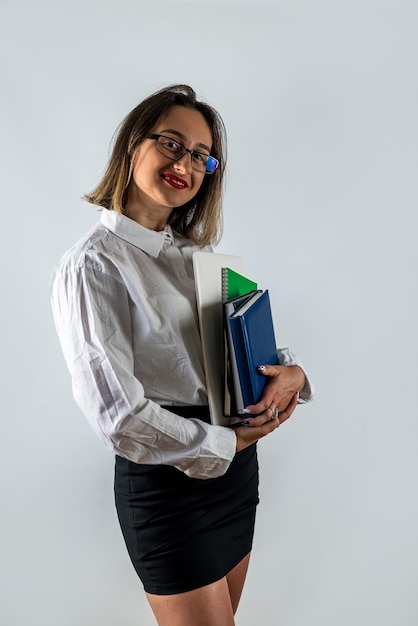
184, 163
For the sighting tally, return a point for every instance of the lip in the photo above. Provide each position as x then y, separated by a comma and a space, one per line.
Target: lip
174, 181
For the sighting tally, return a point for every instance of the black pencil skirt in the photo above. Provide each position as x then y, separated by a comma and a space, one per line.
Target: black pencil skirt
183, 533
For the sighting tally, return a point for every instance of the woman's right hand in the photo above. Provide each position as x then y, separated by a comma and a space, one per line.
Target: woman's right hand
262, 425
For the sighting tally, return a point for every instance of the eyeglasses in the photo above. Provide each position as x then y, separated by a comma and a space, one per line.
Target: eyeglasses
174, 150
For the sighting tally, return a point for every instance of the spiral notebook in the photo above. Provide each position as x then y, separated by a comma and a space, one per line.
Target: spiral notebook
235, 285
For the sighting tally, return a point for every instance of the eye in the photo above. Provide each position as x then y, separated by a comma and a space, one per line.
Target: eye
172, 145
200, 158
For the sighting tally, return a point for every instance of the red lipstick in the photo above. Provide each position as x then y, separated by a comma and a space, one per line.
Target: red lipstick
175, 181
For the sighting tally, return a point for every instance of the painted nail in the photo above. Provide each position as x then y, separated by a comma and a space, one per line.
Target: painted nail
261, 368
245, 423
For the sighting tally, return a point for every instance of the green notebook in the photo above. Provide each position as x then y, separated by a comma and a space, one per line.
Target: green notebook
234, 284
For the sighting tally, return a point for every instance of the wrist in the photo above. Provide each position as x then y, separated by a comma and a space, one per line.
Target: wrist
300, 377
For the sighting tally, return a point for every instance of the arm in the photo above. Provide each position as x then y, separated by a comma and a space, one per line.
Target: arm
93, 320
287, 386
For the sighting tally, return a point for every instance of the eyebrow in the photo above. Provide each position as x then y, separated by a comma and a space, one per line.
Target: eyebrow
184, 138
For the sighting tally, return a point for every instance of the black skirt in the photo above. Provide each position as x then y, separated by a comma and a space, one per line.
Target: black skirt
183, 533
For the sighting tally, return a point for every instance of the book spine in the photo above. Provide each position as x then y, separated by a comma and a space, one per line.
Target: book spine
238, 340
237, 405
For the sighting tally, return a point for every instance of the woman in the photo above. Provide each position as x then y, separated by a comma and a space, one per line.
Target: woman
125, 310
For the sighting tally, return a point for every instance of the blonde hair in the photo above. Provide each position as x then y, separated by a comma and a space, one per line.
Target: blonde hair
200, 219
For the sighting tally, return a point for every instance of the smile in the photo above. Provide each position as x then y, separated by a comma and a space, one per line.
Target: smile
175, 181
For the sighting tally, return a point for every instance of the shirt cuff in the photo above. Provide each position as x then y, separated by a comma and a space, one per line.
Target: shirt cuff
215, 457
287, 357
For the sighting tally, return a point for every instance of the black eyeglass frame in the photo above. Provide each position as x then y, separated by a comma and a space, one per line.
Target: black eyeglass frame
210, 165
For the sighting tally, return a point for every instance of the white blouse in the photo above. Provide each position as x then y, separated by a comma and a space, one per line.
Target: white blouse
124, 305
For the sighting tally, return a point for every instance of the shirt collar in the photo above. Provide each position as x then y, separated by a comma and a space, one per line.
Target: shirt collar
150, 241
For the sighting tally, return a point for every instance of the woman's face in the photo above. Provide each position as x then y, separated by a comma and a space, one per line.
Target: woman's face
158, 183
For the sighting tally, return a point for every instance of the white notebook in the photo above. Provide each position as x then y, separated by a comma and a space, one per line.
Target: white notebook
208, 276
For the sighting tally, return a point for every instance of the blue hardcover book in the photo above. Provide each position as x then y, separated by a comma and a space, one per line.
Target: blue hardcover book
254, 344
233, 401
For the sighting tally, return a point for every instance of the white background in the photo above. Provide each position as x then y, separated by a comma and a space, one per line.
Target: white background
320, 100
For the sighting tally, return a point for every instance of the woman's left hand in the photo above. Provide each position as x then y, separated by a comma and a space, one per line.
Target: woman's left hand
284, 381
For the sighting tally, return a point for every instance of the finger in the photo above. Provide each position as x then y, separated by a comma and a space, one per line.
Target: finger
268, 401
259, 408
269, 370
246, 436
257, 420
281, 416
284, 415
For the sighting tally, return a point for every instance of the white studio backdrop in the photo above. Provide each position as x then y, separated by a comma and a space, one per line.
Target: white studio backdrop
320, 101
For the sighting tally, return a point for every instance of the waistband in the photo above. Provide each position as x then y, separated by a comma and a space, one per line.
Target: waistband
199, 411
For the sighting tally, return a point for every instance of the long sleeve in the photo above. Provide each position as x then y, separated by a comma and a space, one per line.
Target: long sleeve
93, 316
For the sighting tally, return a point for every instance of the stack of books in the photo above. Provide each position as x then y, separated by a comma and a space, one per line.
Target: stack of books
249, 340
237, 334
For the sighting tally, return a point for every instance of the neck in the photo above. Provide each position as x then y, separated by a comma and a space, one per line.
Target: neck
152, 222
153, 217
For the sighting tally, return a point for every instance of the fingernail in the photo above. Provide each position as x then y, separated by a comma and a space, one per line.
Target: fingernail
261, 368
245, 423
247, 411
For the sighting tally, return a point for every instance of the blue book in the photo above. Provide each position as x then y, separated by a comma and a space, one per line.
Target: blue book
233, 401
254, 344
